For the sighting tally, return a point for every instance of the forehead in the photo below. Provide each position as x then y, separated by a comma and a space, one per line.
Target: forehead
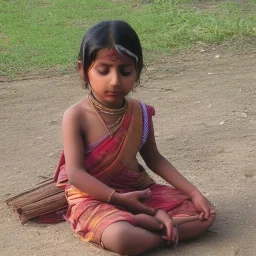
112, 56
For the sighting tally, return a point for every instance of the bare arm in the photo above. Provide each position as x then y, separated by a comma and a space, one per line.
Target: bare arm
74, 157
158, 164
161, 166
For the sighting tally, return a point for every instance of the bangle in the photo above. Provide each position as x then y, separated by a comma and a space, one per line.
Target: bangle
110, 195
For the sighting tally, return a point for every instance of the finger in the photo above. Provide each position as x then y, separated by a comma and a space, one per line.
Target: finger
212, 212
168, 242
174, 233
143, 194
169, 229
175, 236
201, 216
206, 213
177, 239
165, 238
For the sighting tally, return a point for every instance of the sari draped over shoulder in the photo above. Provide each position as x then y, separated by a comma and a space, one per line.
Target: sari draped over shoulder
109, 161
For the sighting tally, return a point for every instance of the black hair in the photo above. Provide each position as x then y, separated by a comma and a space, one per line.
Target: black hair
104, 35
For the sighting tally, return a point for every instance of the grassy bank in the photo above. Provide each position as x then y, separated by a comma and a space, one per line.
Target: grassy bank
40, 35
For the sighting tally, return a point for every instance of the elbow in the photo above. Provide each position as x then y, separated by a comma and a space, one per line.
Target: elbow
78, 177
73, 176
154, 162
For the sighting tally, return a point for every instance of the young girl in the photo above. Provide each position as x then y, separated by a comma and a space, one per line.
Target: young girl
112, 200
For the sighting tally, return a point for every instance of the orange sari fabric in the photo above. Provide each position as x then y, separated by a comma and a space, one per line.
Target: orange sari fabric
109, 162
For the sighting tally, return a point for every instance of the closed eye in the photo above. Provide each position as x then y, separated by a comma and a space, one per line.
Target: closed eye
103, 72
125, 73
125, 70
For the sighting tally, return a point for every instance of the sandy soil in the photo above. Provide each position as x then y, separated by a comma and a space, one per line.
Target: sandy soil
205, 125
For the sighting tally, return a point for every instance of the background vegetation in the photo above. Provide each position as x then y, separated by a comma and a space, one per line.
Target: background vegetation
37, 35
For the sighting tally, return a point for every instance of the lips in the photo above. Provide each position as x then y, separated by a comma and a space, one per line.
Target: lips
115, 93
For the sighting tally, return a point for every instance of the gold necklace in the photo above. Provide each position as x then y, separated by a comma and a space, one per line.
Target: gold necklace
114, 127
98, 107
116, 123
106, 110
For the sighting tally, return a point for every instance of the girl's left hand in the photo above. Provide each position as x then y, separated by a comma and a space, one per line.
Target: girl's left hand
171, 232
202, 205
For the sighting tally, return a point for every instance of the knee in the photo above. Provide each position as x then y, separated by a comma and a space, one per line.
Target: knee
122, 245
117, 240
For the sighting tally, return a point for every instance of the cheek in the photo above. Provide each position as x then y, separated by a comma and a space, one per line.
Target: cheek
133, 79
128, 84
94, 78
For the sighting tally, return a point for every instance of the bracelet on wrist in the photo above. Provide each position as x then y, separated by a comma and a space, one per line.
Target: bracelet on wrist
110, 195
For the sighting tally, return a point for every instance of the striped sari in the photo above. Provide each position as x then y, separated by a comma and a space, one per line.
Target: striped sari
108, 161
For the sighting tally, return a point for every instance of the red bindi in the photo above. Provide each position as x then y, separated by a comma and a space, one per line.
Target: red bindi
112, 54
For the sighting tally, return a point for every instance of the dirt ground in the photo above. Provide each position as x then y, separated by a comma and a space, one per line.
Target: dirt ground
205, 125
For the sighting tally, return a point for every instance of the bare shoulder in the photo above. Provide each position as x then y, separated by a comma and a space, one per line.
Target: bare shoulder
77, 114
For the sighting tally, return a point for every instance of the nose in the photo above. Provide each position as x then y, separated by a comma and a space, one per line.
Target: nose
115, 78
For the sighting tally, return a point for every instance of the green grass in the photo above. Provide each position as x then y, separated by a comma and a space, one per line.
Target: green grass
37, 35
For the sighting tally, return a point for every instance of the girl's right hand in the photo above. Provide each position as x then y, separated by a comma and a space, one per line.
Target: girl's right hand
133, 201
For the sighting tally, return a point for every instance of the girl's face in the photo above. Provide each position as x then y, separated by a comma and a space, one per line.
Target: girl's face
111, 77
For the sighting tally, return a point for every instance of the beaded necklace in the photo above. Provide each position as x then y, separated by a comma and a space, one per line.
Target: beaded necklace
98, 107
106, 110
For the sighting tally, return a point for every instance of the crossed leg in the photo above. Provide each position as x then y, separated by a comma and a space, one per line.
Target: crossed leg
126, 239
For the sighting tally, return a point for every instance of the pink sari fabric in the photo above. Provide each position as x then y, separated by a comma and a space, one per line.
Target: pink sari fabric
109, 162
